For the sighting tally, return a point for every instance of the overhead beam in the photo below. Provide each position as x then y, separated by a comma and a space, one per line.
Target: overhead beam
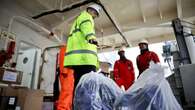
74, 6
148, 24
179, 9
141, 10
48, 7
159, 9
156, 39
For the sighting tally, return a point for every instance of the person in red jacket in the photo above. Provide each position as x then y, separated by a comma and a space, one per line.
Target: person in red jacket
143, 60
123, 71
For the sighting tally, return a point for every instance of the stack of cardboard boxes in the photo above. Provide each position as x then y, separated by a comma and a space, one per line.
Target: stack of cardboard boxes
22, 98
25, 99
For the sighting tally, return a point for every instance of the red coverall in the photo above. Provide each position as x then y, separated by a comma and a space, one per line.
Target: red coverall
144, 59
124, 73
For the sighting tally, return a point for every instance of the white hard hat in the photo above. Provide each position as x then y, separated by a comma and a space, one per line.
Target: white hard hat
143, 41
96, 7
103, 59
121, 49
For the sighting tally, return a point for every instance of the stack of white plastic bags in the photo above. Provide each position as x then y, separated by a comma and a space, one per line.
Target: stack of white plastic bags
150, 92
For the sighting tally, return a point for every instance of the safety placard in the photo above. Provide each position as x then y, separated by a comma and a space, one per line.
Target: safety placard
10, 76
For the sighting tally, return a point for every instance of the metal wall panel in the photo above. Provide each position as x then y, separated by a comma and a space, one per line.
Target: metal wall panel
188, 80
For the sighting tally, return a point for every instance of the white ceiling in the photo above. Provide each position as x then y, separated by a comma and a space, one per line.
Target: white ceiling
137, 19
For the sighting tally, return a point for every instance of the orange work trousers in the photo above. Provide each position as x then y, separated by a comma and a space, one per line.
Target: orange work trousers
67, 88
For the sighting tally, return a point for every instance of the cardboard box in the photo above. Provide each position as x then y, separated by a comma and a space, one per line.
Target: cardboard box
9, 76
28, 99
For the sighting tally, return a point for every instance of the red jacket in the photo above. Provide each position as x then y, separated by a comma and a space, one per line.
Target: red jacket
144, 59
124, 73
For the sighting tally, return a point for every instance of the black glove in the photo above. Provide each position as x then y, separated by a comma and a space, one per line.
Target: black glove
93, 41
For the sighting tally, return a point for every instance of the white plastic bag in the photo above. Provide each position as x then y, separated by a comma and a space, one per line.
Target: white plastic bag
150, 92
96, 92
86, 97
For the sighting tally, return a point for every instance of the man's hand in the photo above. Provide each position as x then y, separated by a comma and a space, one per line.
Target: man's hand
93, 41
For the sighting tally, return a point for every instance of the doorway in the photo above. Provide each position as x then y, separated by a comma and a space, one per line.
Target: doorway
27, 63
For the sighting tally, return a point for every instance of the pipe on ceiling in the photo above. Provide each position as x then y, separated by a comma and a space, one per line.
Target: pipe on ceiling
74, 6
113, 22
14, 18
81, 4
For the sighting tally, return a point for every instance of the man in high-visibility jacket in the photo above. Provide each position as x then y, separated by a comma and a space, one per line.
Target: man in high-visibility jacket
81, 55
143, 60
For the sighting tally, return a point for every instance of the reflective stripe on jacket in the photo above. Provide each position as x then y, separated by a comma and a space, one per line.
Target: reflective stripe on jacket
79, 50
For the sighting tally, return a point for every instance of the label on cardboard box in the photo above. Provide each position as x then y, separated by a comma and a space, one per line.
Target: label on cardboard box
10, 76
18, 108
12, 101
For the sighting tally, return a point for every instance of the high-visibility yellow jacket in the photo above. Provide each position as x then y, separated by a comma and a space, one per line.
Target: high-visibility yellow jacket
79, 50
